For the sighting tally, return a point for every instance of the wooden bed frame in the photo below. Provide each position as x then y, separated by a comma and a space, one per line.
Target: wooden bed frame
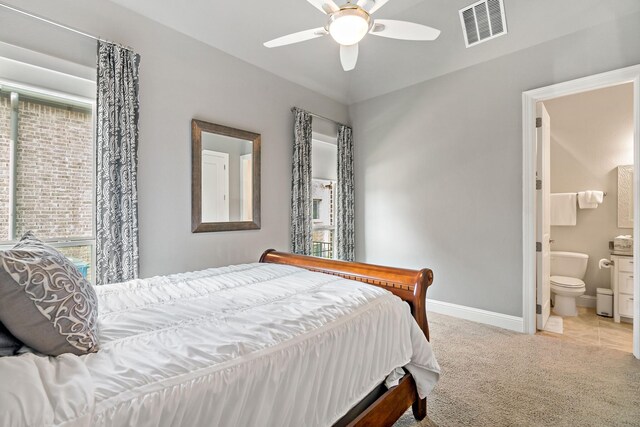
381, 407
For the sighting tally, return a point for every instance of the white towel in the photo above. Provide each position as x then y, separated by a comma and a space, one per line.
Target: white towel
590, 199
563, 209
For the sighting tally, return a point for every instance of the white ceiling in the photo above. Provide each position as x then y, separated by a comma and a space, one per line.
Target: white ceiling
240, 27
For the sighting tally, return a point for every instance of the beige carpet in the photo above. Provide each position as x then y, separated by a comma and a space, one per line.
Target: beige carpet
494, 377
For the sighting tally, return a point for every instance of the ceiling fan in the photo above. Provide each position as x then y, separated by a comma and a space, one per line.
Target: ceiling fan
349, 23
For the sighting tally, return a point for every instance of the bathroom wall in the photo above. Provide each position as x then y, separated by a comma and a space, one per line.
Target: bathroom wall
591, 135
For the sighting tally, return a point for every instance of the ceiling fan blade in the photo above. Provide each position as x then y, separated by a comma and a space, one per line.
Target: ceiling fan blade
297, 37
377, 4
325, 6
403, 30
349, 56
366, 4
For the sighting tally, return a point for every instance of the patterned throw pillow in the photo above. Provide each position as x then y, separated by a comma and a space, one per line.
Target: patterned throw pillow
44, 300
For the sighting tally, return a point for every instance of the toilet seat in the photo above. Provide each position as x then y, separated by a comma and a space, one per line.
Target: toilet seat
566, 282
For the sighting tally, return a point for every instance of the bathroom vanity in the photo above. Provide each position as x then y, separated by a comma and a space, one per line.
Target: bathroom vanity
622, 286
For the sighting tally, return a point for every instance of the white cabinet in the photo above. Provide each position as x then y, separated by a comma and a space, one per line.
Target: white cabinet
622, 286
625, 304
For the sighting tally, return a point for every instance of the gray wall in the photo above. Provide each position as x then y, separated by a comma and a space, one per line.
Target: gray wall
439, 165
591, 135
181, 79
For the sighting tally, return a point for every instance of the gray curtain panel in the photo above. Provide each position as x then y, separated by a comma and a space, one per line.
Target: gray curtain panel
116, 164
345, 220
301, 184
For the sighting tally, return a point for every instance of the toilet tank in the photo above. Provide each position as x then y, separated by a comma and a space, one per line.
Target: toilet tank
569, 264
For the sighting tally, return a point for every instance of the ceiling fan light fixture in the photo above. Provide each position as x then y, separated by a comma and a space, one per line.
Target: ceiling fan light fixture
349, 25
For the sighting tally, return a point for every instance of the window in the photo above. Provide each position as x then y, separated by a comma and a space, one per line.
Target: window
47, 171
323, 193
316, 209
324, 170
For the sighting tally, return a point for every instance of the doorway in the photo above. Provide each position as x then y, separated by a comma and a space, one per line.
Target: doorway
537, 230
215, 186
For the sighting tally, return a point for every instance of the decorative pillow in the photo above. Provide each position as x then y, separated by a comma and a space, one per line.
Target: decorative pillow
44, 300
8, 343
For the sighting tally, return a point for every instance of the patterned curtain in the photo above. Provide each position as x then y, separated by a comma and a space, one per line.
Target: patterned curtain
116, 164
301, 184
345, 224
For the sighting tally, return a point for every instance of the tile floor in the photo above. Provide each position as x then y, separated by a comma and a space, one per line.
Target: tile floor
589, 328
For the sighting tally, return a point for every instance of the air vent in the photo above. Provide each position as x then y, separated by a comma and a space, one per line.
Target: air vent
483, 21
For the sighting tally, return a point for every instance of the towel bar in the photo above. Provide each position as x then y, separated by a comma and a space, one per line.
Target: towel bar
603, 194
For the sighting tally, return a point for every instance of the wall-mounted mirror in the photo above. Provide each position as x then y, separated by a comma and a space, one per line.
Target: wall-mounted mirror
625, 196
225, 178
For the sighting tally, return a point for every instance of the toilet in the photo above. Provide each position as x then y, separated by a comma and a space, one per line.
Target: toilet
567, 272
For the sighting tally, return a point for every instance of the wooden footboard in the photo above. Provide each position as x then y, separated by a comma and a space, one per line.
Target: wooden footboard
382, 407
410, 285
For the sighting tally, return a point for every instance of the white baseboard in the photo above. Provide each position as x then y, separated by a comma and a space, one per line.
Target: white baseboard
500, 320
586, 301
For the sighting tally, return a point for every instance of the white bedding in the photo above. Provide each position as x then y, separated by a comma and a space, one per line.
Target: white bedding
247, 345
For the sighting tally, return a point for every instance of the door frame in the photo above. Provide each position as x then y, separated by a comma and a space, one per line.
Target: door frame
243, 196
543, 219
529, 100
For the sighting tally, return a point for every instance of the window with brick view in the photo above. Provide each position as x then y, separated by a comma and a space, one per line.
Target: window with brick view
53, 172
324, 171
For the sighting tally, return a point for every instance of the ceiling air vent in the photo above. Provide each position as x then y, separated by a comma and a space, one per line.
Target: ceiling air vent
483, 21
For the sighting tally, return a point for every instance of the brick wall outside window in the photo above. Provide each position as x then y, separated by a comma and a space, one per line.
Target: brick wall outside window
54, 195
5, 135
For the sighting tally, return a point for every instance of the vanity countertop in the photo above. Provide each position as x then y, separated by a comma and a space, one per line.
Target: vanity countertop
625, 254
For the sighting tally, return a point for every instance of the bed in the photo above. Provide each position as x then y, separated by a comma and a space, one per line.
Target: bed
286, 341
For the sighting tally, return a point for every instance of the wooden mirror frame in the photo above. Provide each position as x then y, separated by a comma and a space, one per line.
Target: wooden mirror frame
197, 226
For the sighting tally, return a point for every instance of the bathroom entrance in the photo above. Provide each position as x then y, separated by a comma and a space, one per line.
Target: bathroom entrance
579, 282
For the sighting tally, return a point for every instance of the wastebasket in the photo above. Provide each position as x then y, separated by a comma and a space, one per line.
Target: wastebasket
604, 305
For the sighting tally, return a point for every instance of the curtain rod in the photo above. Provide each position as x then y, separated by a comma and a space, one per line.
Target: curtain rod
59, 25
318, 116
324, 118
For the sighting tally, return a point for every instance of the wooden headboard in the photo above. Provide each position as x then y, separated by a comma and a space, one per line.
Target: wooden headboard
410, 285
